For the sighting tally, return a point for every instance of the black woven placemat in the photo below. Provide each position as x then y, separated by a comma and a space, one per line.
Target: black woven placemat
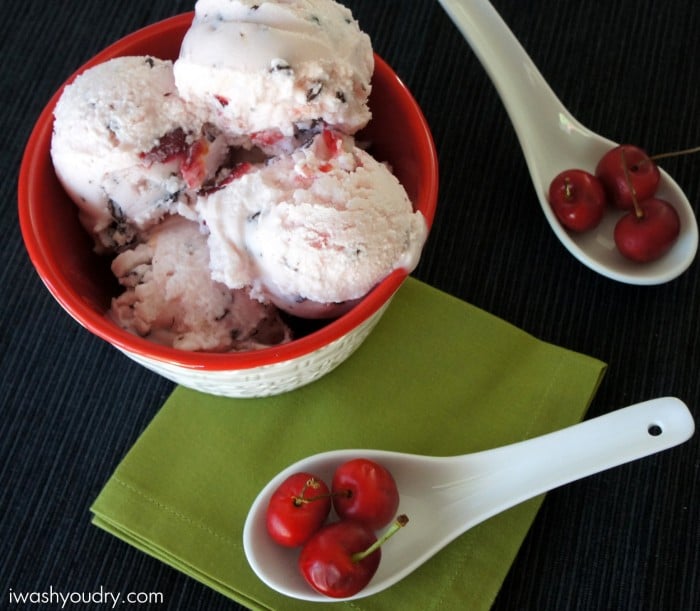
71, 406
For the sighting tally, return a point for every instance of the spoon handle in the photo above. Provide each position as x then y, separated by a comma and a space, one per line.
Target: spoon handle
517, 472
534, 109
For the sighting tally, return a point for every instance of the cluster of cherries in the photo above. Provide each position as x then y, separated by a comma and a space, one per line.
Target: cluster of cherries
338, 558
625, 178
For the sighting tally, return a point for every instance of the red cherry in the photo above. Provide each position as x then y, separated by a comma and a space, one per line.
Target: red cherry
297, 509
646, 234
327, 564
366, 492
577, 199
341, 558
640, 179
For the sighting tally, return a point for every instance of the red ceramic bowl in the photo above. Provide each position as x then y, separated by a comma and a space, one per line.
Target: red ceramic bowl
82, 283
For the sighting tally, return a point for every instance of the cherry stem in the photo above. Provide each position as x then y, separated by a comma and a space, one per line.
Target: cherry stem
302, 500
313, 483
695, 149
398, 524
309, 483
638, 212
568, 189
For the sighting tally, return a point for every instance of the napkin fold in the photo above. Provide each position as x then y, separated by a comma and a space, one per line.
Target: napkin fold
437, 376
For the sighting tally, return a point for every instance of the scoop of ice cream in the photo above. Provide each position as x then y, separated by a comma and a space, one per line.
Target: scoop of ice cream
313, 229
121, 138
171, 299
276, 66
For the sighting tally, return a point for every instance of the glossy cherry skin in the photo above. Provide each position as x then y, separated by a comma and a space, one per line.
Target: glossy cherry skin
326, 561
297, 509
577, 199
647, 238
365, 491
644, 175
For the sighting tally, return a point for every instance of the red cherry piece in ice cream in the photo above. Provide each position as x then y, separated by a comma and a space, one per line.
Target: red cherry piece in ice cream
170, 146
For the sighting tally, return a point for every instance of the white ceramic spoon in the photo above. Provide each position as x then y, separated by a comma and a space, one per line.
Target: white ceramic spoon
445, 496
552, 141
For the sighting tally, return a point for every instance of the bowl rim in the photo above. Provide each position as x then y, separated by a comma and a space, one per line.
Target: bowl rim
101, 326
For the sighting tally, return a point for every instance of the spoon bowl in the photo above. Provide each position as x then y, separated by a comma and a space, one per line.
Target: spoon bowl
445, 496
552, 141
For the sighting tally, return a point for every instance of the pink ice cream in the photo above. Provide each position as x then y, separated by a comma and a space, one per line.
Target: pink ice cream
270, 69
120, 147
229, 183
171, 299
318, 227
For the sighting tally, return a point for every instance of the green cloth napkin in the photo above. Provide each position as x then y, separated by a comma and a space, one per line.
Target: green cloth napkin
437, 376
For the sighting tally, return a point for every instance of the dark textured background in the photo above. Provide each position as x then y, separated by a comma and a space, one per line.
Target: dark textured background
71, 406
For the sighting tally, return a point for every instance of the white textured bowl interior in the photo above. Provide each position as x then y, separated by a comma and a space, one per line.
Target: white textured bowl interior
267, 380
